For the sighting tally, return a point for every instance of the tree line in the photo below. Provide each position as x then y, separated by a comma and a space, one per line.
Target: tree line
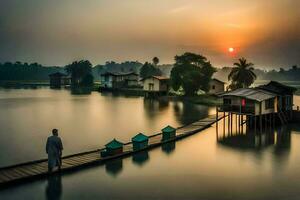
191, 72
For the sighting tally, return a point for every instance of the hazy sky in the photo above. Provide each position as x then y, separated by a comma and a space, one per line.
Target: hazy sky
56, 32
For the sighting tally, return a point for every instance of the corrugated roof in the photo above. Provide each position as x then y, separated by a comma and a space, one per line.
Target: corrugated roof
114, 144
161, 78
214, 79
250, 93
119, 73
277, 88
139, 138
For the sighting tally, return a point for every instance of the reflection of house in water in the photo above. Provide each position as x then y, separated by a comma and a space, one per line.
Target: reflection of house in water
283, 140
114, 167
152, 106
54, 188
248, 141
280, 138
140, 158
155, 104
168, 147
186, 112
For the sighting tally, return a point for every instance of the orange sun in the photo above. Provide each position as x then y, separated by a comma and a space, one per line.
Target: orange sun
230, 49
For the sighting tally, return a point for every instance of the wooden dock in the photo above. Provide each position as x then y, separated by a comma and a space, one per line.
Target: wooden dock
39, 168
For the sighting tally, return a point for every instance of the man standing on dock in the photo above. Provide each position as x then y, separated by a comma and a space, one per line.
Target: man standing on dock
54, 149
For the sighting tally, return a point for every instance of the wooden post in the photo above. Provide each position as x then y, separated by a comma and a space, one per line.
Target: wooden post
224, 121
242, 123
228, 124
217, 122
260, 118
265, 122
239, 120
236, 123
270, 122
231, 123
260, 123
255, 124
274, 120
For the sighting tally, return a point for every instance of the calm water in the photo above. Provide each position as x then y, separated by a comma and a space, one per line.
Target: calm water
85, 122
198, 167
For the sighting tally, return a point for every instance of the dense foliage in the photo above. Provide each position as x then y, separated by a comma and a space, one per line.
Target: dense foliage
242, 75
191, 72
24, 71
148, 70
81, 73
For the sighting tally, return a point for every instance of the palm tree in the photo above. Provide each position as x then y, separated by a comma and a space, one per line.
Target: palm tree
242, 75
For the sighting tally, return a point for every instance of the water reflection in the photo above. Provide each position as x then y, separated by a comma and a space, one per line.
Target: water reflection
114, 167
81, 90
152, 106
54, 187
186, 112
140, 158
280, 138
169, 147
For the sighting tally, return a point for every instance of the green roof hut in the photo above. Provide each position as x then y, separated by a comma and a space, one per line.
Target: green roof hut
168, 133
140, 141
113, 148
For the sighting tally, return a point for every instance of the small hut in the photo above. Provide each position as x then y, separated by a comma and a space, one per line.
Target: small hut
140, 141
168, 133
113, 148
57, 79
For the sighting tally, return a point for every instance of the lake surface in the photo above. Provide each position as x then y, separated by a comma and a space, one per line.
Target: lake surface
239, 166
85, 122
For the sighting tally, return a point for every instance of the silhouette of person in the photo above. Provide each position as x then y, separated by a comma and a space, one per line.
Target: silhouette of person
54, 149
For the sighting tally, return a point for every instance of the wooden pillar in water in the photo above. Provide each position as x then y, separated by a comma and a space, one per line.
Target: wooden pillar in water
255, 124
265, 122
260, 123
224, 121
236, 122
260, 118
270, 121
217, 122
231, 123
242, 125
228, 124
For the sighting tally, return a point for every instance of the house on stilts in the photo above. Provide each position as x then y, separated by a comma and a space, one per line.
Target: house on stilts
258, 107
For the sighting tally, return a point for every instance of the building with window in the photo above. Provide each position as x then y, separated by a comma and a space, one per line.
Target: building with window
271, 101
58, 79
116, 80
156, 84
216, 86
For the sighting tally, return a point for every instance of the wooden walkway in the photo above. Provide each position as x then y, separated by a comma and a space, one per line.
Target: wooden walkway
37, 169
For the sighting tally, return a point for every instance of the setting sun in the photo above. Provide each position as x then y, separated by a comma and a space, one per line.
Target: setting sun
230, 49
